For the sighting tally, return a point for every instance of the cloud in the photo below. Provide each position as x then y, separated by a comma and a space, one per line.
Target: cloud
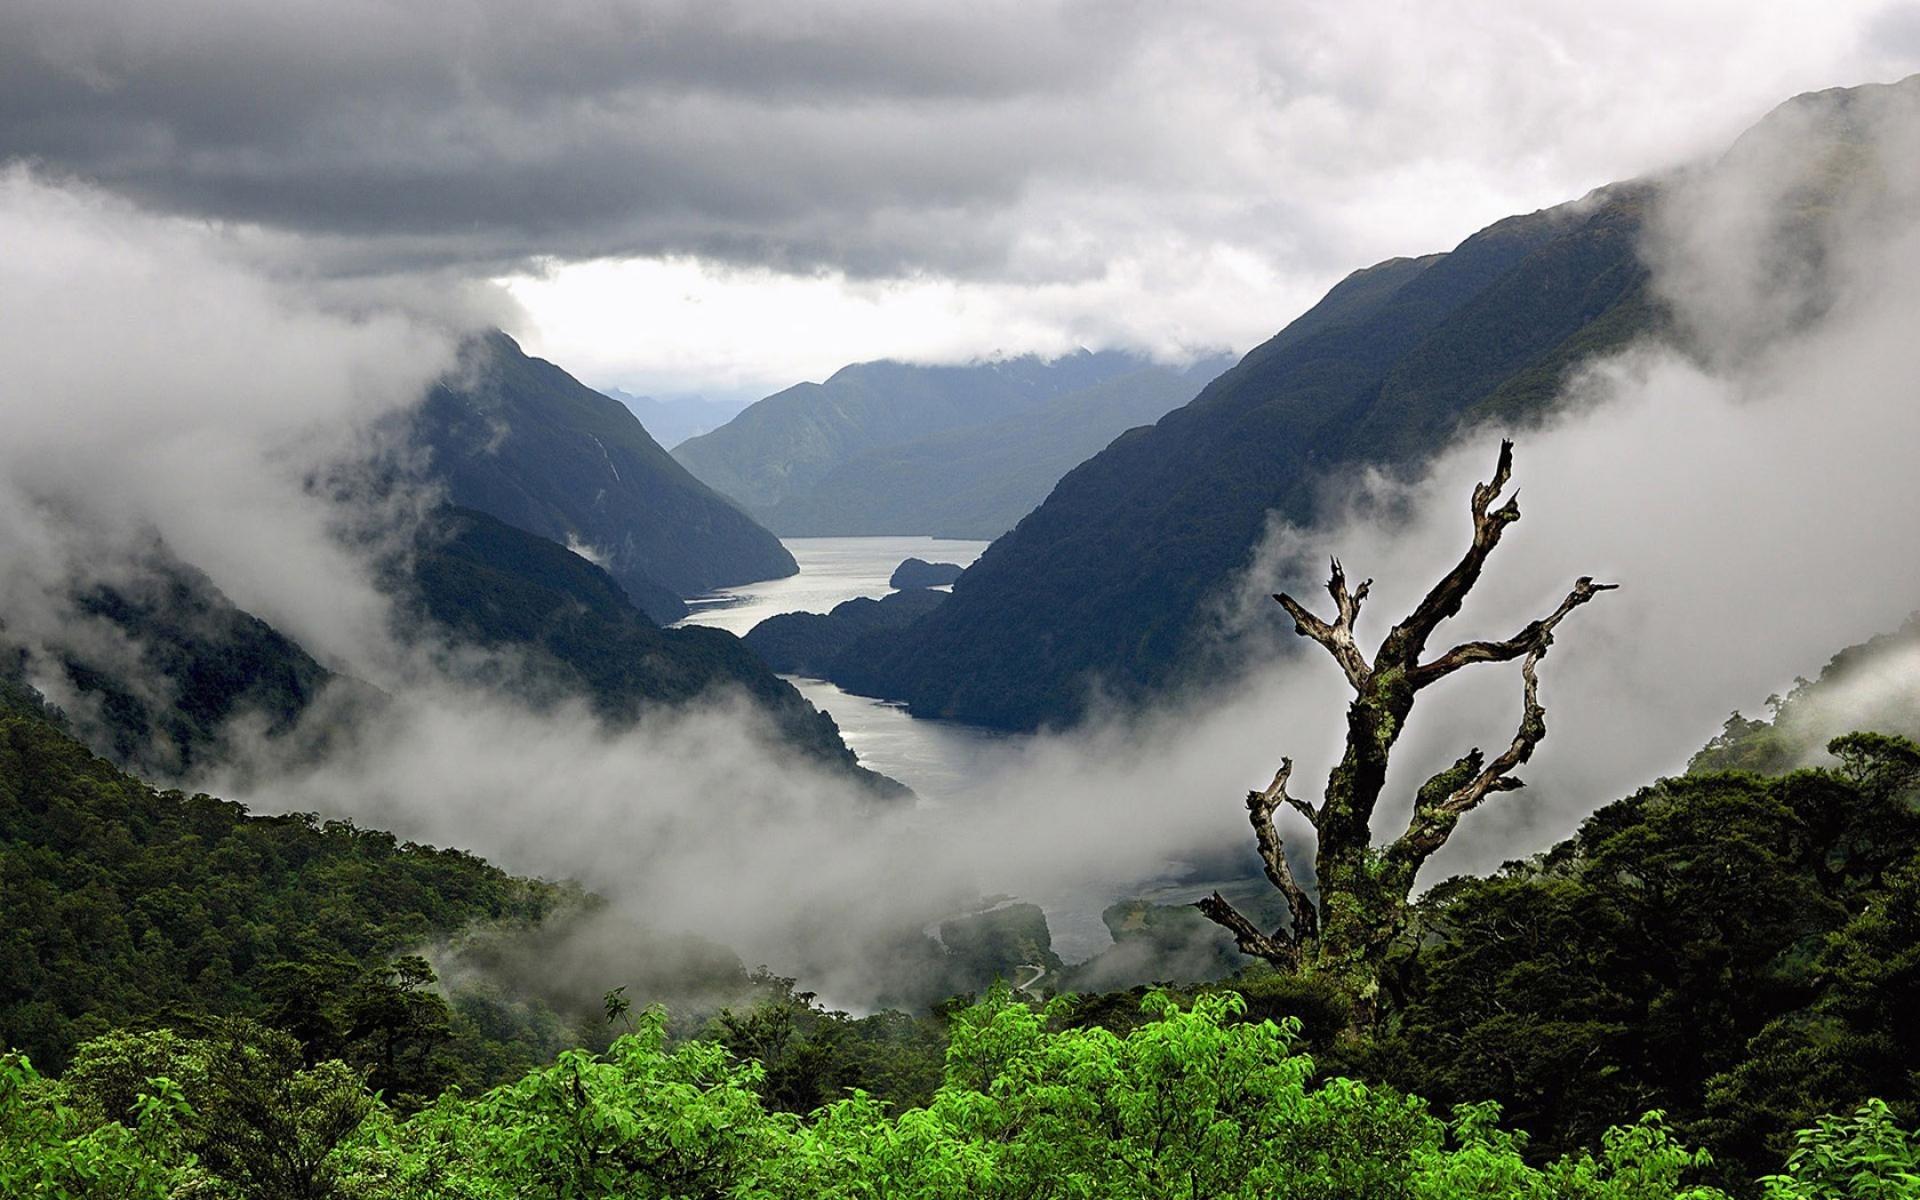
1030, 141
1043, 175
159, 386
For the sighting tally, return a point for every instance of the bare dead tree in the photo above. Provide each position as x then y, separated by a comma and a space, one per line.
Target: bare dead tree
1364, 891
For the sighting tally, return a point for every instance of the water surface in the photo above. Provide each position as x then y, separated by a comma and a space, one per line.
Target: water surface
934, 758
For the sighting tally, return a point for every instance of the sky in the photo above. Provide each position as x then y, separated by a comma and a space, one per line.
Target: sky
721, 199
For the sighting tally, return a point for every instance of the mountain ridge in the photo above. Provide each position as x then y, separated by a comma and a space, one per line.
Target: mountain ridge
518, 438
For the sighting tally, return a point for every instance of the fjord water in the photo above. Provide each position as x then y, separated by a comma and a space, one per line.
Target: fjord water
934, 758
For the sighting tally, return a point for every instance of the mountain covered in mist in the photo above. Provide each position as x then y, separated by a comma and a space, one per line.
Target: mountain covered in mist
161, 672
154, 667
569, 630
1114, 583
947, 451
1110, 579
1873, 685
520, 439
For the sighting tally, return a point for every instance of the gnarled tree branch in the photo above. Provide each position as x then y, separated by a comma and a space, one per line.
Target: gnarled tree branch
1261, 807
1535, 634
1278, 951
1469, 781
1409, 638
1337, 637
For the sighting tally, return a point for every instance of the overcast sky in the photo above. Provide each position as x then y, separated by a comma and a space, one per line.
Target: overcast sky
729, 197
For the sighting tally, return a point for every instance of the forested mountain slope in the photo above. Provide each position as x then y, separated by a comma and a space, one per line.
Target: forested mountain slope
1874, 685
120, 904
152, 668
521, 440
1107, 584
158, 670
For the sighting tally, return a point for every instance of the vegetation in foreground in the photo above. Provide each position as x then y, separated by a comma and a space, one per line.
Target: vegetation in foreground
1190, 1104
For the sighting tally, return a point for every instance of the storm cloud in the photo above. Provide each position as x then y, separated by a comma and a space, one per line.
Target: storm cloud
1027, 141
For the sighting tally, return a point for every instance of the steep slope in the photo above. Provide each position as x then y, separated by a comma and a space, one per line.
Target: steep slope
122, 904
520, 439
153, 668
491, 585
977, 482
783, 446
1109, 579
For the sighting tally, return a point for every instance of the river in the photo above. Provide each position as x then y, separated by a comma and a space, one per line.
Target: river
934, 758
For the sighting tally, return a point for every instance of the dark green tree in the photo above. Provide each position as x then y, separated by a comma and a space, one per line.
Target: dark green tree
396, 1022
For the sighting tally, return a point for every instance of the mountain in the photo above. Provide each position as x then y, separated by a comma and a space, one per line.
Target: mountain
491, 585
814, 644
519, 439
158, 669
773, 456
979, 480
673, 419
1109, 584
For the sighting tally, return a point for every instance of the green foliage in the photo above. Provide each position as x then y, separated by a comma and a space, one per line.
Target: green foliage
268, 1124
1862, 1157
809, 1056
50, 1149
1850, 693
1195, 1102
1735, 950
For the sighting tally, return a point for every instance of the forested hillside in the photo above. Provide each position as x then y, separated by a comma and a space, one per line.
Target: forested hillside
155, 666
160, 671
123, 905
521, 440
1868, 686
482, 583
1108, 584
1735, 950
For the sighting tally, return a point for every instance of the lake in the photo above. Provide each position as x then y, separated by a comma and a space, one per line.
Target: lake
934, 758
